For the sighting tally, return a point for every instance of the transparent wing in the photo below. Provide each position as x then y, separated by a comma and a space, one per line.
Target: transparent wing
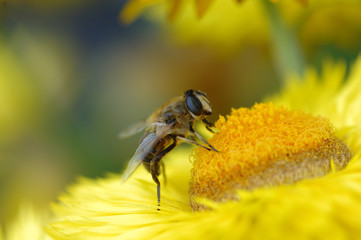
144, 148
133, 129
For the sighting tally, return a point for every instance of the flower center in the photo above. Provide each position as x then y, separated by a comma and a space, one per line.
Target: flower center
264, 146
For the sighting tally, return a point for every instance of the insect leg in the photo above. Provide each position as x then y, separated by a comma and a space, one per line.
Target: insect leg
163, 171
154, 166
205, 141
208, 125
183, 139
201, 138
153, 171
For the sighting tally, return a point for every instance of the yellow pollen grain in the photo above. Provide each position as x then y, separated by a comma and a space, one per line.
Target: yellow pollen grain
261, 145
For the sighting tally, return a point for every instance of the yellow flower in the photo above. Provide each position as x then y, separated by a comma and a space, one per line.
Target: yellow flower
316, 22
323, 203
263, 147
230, 25
226, 24
18, 98
334, 94
28, 224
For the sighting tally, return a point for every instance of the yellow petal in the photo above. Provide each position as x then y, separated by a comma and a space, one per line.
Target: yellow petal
134, 8
202, 6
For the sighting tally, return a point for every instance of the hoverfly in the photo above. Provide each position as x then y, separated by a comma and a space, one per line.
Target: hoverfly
165, 128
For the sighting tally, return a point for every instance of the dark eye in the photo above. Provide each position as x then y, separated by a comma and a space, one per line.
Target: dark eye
194, 105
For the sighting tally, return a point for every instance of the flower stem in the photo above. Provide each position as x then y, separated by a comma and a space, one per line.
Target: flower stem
286, 51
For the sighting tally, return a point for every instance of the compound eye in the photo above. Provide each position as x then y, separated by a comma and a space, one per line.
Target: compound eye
194, 105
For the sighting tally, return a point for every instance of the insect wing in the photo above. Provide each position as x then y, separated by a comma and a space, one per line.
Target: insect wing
144, 148
133, 129
142, 151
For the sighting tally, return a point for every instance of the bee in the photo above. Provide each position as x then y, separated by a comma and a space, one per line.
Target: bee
165, 128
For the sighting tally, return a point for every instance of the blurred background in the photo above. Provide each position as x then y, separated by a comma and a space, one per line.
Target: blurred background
74, 73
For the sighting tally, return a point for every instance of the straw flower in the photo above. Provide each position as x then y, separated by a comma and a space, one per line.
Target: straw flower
288, 168
229, 25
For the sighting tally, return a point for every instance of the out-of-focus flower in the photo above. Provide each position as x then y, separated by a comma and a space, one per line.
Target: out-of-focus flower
34, 72
316, 22
19, 99
226, 24
230, 25
35, 92
319, 198
28, 224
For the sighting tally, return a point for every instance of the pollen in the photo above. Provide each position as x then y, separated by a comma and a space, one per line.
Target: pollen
265, 146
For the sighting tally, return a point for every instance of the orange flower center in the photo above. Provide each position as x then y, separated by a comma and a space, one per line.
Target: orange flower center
264, 146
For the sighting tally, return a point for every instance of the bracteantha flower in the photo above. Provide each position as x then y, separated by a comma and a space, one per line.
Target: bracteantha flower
287, 169
230, 24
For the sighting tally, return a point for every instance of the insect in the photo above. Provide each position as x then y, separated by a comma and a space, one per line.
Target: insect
165, 128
